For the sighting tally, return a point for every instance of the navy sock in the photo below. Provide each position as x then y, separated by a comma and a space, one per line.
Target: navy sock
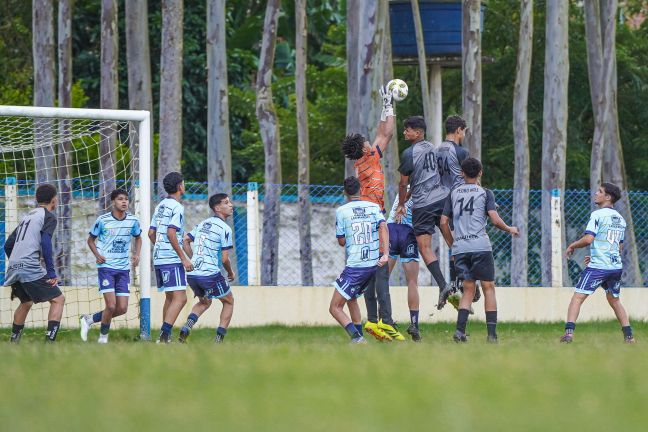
17, 328
166, 328
491, 322
462, 320
570, 327
96, 317
359, 328
52, 330
351, 330
414, 315
105, 328
191, 320
221, 331
627, 331
437, 274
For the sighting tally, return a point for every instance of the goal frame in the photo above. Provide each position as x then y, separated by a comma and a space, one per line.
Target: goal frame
145, 180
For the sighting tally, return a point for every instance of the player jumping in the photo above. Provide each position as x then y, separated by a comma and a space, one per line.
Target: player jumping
604, 235
213, 236
168, 257
360, 227
110, 243
29, 281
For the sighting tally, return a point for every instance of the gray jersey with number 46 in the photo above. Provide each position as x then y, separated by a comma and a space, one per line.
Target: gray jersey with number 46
468, 208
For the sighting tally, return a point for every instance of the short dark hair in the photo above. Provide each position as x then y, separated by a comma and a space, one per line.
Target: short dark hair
351, 185
114, 194
416, 122
45, 193
172, 181
216, 199
453, 123
471, 167
352, 146
613, 190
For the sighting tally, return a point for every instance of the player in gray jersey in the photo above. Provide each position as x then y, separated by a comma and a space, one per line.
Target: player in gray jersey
470, 206
30, 282
450, 154
419, 170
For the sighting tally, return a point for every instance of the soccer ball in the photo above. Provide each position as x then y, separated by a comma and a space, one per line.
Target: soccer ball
398, 89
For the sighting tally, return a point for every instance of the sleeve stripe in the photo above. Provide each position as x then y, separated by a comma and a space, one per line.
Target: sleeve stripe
173, 226
591, 233
340, 236
153, 228
227, 247
191, 236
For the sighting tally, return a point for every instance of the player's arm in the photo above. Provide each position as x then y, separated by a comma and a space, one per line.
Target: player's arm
444, 224
137, 247
227, 264
152, 235
383, 237
186, 245
339, 229
495, 218
9, 244
385, 133
46, 246
582, 242
402, 193
173, 240
93, 248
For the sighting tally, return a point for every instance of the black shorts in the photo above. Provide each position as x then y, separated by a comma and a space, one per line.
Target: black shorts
38, 291
424, 219
475, 266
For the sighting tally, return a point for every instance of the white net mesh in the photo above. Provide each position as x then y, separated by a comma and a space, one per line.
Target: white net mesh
86, 160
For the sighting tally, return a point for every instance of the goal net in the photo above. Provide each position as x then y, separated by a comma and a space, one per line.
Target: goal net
86, 154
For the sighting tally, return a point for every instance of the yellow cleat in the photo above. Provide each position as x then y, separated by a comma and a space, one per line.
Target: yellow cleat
374, 330
391, 330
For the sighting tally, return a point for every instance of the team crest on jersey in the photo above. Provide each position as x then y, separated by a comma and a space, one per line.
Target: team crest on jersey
410, 249
616, 219
206, 227
105, 282
160, 212
166, 275
359, 211
118, 246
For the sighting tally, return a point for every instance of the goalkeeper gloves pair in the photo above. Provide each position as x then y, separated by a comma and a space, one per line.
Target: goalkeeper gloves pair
388, 108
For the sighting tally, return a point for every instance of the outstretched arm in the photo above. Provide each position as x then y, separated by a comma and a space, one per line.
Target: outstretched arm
584, 241
499, 223
385, 133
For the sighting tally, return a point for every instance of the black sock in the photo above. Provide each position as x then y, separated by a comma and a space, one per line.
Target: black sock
453, 271
627, 331
52, 330
491, 323
105, 328
570, 327
462, 319
437, 274
16, 330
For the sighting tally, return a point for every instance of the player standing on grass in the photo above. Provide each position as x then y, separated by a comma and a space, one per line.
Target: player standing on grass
370, 173
169, 260
30, 282
419, 170
110, 243
360, 227
469, 206
604, 235
213, 236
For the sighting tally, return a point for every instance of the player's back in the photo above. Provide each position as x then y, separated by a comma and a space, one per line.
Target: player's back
358, 222
25, 260
608, 228
372, 177
210, 236
449, 158
469, 204
168, 213
419, 163
114, 239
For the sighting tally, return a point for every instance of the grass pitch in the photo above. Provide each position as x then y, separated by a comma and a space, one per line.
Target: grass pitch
312, 379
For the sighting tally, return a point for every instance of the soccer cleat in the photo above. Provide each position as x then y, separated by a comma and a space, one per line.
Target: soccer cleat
377, 332
103, 339
491, 339
629, 339
184, 334
391, 330
359, 340
86, 322
15, 337
164, 338
567, 338
460, 337
219, 338
477, 294
414, 332
443, 296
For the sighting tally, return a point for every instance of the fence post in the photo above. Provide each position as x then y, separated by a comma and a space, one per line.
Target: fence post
253, 235
11, 206
556, 239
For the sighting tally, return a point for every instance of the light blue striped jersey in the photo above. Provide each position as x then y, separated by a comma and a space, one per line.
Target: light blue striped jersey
407, 217
608, 228
210, 237
113, 239
169, 213
358, 222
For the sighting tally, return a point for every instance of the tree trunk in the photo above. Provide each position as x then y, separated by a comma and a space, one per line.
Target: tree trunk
219, 154
352, 58
138, 59
303, 145
269, 130
109, 94
472, 80
422, 60
63, 243
170, 149
554, 131
520, 244
44, 85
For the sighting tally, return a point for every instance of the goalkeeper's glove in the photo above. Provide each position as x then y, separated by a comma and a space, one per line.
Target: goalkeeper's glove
388, 109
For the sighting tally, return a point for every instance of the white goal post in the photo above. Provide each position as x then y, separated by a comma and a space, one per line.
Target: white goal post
138, 120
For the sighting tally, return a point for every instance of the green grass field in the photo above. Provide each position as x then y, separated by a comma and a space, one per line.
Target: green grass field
312, 379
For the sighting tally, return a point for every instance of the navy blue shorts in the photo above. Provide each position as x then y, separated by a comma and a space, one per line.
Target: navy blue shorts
402, 242
211, 287
592, 278
170, 277
111, 280
353, 281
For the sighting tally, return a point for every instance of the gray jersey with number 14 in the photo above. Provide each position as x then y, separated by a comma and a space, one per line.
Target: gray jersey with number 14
468, 207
